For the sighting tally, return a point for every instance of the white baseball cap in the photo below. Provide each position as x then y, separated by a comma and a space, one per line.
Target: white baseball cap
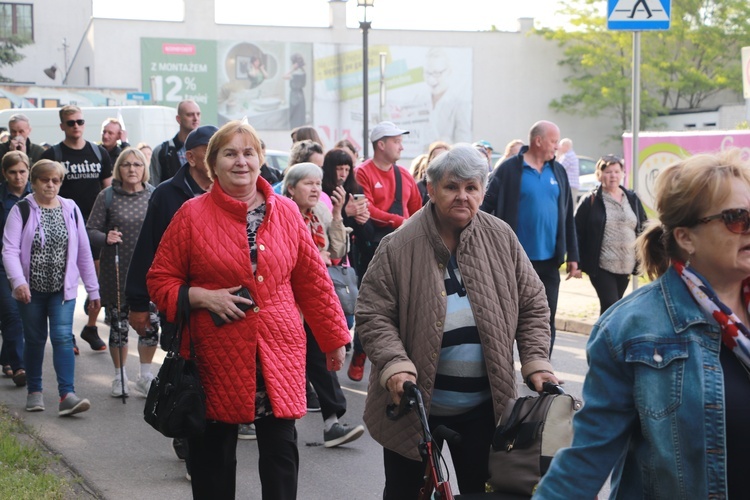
385, 129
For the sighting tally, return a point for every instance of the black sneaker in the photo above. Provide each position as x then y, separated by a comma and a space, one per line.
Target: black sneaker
313, 403
340, 434
91, 335
180, 448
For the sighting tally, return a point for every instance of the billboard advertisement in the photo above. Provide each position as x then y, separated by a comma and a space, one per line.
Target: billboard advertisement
658, 150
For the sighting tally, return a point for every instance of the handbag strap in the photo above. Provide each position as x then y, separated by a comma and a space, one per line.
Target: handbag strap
183, 318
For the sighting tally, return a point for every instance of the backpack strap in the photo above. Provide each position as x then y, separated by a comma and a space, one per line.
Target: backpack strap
97, 150
57, 150
25, 209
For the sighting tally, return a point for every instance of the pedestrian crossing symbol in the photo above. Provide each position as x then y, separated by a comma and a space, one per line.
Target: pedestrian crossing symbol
638, 15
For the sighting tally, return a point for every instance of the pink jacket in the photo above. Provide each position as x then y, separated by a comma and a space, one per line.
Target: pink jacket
206, 246
17, 241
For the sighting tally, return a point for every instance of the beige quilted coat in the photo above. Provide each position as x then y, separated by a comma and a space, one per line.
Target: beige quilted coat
402, 306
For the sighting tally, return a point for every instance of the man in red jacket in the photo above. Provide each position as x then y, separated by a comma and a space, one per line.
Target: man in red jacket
393, 197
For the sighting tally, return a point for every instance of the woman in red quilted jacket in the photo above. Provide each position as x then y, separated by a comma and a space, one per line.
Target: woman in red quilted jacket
241, 235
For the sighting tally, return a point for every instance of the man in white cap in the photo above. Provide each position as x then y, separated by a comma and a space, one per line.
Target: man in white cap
393, 197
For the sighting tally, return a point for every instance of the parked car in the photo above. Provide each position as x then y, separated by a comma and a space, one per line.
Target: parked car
277, 159
586, 175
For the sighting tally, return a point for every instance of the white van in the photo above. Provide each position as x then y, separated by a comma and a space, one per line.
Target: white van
150, 124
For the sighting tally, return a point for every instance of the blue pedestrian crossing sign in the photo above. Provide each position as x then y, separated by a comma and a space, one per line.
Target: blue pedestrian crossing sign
638, 15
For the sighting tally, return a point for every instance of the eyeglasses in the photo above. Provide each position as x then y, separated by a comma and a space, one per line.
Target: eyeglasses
53, 180
78, 122
737, 220
135, 164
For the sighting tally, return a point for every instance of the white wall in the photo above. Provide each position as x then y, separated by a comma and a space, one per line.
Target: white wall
515, 75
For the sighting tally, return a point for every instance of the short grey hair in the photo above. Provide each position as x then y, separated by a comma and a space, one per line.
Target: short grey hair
296, 173
19, 117
463, 162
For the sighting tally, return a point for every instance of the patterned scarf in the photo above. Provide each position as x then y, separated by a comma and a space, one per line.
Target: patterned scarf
734, 334
316, 228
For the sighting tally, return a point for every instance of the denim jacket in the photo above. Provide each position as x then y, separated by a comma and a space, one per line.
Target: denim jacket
653, 403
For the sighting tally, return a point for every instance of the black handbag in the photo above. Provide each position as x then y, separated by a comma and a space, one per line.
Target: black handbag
176, 403
345, 282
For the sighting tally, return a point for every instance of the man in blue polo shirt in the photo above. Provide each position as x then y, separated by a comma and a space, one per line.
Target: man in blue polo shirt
530, 192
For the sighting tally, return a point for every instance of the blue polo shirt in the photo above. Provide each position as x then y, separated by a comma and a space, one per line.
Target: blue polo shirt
537, 212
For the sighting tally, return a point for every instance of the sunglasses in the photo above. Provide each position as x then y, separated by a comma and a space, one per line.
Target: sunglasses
737, 220
610, 159
78, 122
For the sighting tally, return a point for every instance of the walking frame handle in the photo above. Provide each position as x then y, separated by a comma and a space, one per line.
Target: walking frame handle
409, 400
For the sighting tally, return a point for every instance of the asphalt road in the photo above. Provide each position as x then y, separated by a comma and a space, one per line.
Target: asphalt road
121, 457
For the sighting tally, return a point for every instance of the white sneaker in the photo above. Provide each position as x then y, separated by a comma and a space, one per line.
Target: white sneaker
117, 388
143, 384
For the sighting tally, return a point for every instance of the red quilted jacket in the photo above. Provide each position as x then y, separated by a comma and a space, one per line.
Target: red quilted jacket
206, 246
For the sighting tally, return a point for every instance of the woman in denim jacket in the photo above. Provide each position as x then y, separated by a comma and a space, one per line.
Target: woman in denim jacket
667, 394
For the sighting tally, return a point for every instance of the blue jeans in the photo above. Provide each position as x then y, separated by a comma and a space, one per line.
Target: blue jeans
12, 327
50, 306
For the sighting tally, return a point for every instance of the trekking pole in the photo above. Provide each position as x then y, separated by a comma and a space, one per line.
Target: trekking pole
116, 319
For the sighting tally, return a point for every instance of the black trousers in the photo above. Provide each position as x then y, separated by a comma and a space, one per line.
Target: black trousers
549, 272
404, 477
609, 287
213, 460
325, 383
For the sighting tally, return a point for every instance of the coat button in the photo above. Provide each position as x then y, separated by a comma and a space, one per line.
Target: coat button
434, 355
260, 279
439, 324
440, 266
658, 358
261, 247
256, 309
442, 293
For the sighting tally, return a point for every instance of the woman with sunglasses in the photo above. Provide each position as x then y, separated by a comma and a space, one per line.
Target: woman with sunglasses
608, 220
113, 227
45, 251
667, 392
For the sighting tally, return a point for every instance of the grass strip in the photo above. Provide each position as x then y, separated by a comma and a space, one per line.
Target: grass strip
25, 471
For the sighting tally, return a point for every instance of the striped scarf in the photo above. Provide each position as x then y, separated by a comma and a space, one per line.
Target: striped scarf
734, 334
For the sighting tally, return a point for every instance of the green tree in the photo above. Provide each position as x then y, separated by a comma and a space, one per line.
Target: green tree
681, 68
9, 52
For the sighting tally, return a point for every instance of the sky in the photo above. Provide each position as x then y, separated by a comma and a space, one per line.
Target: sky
386, 14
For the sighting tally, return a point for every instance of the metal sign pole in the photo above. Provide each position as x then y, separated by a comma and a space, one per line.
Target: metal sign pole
636, 116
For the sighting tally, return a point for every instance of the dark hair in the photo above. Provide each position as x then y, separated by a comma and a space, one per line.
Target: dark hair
306, 132
333, 159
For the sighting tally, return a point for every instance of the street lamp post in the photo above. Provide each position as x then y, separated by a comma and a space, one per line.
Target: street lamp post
364, 25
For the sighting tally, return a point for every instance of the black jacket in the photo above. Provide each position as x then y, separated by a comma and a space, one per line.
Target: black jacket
591, 216
503, 196
33, 151
165, 162
166, 199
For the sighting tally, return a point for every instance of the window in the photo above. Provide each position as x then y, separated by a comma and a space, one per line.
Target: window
16, 19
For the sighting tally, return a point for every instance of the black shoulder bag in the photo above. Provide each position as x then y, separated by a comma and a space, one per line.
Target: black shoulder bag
176, 403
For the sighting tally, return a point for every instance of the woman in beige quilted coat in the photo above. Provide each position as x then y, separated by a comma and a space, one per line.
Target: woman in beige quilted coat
441, 305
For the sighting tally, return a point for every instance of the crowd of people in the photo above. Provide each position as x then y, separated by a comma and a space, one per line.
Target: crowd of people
253, 249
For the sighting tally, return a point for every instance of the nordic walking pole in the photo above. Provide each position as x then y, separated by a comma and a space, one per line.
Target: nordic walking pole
116, 319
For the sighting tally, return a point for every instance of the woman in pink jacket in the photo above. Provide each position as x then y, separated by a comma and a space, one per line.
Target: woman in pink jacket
241, 237
45, 248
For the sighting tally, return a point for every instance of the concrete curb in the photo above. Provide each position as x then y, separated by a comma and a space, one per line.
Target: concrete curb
564, 324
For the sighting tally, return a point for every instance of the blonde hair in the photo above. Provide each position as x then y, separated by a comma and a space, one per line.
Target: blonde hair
13, 158
127, 152
44, 166
685, 192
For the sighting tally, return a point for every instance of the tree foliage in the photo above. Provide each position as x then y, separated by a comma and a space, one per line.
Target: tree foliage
682, 68
9, 52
